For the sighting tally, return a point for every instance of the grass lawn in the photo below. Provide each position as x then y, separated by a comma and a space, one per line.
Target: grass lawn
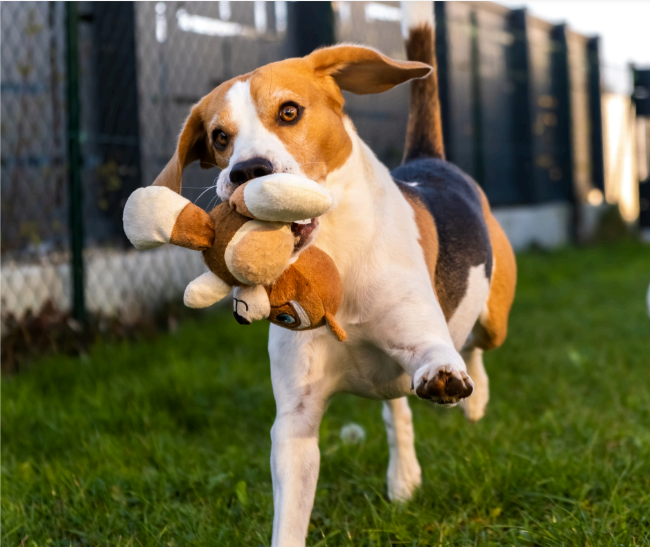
166, 441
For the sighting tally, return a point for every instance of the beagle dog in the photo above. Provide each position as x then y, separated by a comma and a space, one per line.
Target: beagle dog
428, 275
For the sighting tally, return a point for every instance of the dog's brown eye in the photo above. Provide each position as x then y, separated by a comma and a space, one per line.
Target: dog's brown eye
220, 139
289, 112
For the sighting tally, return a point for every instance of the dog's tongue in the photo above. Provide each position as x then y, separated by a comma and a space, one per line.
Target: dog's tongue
302, 230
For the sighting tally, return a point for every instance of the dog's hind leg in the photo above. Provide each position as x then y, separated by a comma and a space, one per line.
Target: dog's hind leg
474, 405
404, 473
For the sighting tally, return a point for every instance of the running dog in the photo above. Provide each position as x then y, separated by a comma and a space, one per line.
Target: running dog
428, 274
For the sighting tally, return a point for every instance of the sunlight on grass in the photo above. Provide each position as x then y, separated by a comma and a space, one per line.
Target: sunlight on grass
166, 442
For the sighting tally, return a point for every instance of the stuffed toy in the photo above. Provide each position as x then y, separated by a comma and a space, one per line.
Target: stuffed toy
248, 245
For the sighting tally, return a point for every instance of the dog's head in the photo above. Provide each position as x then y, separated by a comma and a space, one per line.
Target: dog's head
285, 117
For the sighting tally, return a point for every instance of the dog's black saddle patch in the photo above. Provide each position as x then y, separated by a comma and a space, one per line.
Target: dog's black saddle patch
452, 198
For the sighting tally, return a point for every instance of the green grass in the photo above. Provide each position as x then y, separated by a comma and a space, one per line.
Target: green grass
166, 441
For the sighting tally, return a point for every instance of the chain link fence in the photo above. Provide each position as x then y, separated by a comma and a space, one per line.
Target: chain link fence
140, 67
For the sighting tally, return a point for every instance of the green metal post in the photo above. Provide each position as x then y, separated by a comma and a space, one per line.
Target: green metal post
74, 162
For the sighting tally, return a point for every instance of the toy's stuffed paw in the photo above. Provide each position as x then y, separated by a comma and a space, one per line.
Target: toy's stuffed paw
259, 252
205, 290
281, 197
156, 215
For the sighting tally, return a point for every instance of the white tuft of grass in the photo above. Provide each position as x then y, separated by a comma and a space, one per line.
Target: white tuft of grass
353, 434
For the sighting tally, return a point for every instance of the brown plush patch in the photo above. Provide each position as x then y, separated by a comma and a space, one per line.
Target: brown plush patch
262, 254
424, 129
237, 202
323, 275
335, 328
229, 222
315, 283
502, 284
193, 229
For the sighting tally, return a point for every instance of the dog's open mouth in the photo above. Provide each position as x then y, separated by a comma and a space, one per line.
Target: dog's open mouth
303, 230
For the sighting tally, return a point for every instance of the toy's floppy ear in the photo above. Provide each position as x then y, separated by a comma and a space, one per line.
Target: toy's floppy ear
154, 216
205, 290
335, 328
192, 145
363, 70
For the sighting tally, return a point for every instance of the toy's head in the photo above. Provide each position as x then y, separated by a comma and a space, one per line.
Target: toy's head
306, 296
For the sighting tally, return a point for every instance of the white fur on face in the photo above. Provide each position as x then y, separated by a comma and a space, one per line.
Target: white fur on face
252, 140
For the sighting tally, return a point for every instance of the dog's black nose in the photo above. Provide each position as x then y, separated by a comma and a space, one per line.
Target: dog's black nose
250, 169
241, 320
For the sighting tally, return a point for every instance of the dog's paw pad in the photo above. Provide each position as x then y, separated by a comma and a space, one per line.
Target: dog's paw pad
444, 386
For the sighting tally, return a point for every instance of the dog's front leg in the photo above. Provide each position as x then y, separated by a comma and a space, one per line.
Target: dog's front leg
301, 396
413, 331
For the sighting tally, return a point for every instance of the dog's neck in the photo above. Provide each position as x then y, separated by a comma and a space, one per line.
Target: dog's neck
366, 220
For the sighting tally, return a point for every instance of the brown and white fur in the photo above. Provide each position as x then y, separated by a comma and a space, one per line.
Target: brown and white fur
417, 311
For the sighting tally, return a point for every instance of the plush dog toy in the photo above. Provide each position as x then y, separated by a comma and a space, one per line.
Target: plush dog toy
248, 245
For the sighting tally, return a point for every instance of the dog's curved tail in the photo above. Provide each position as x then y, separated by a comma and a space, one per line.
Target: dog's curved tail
424, 130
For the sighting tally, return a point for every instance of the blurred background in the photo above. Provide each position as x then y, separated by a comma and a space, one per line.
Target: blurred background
551, 117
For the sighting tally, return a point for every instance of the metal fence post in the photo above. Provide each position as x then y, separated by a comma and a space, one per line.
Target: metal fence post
641, 97
312, 25
477, 106
442, 62
74, 161
564, 154
595, 113
521, 78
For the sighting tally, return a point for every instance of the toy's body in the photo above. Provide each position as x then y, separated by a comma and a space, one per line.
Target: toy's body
256, 257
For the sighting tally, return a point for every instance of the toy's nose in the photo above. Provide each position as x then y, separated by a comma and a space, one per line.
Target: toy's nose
241, 320
250, 169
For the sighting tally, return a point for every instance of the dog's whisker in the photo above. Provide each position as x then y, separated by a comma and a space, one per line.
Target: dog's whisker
210, 163
204, 191
209, 207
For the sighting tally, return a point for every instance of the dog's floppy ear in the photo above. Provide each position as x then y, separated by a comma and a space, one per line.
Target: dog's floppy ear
363, 70
192, 145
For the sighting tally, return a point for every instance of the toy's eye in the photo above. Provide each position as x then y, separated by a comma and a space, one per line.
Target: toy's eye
285, 318
219, 138
290, 112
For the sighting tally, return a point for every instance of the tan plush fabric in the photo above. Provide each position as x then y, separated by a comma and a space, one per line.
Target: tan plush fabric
227, 222
259, 252
282, 197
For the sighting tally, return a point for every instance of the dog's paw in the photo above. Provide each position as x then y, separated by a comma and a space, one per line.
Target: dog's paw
442, 385
404, 478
